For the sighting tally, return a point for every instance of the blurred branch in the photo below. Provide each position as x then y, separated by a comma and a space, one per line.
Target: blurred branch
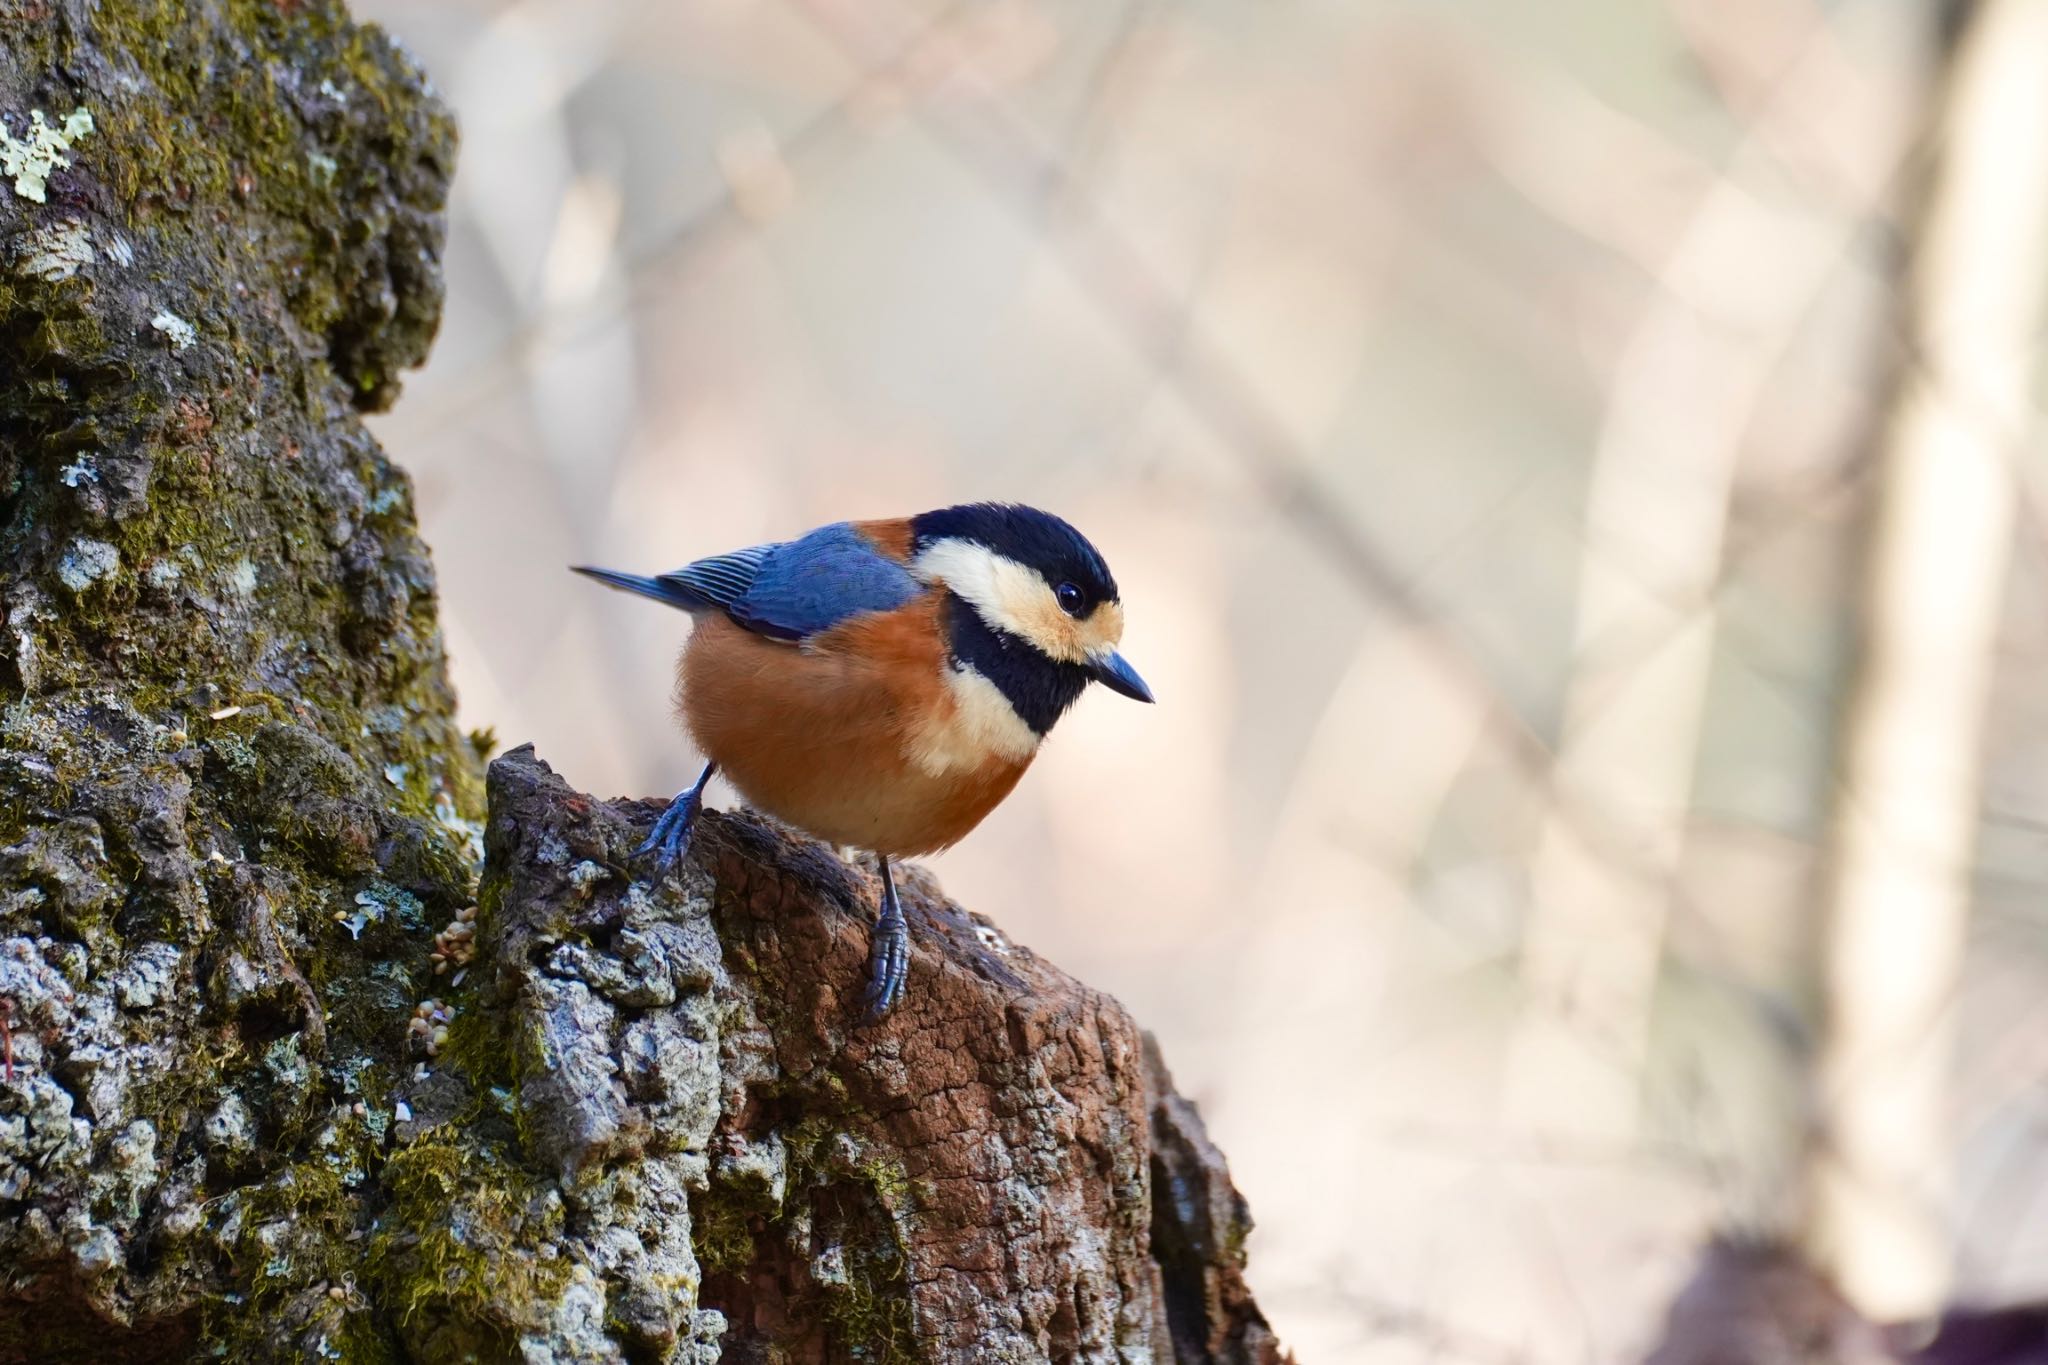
1108, 93
1912, 747
1782, 70
1488, 1147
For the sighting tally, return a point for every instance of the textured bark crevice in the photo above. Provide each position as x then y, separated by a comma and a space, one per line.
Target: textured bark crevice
1199, 1226
277, 1091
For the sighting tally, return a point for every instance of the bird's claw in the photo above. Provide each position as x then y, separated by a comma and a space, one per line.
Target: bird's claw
670, 838
888, 956
888, 968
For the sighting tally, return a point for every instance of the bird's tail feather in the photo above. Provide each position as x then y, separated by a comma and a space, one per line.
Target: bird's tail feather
665, 589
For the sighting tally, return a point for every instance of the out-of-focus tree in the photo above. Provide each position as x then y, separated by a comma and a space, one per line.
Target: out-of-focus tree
1936, 566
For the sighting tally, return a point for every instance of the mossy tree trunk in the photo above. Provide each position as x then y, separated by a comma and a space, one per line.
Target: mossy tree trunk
273, 1089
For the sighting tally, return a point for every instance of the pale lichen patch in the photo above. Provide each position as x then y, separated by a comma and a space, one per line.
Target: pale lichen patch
28, 160
86, 563
58, 251
180, 333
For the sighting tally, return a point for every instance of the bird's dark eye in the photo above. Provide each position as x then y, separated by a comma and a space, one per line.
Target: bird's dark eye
1071, 598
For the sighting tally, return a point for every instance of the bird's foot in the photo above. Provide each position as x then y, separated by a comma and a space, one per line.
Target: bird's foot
670, 838
670, 835
888, 953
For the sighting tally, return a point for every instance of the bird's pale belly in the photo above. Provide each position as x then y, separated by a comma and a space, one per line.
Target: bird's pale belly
823, 736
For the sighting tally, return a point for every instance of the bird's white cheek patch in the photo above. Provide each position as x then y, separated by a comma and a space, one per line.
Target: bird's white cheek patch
979, 726
1004, 593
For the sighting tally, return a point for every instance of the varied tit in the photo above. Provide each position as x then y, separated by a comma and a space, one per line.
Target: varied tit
883, 684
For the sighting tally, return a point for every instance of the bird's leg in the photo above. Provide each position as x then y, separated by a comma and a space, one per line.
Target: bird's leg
671, 836
888, 952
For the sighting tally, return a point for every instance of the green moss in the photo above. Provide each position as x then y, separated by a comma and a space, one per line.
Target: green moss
855, 1205
220, 130
860, 1202
290, 1249
480, 1044
199, 138
1235, 1235
722, 1233
870, 1314
889, 1182
454, 1256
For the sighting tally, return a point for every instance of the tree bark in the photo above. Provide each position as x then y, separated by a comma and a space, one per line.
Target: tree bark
293, 1068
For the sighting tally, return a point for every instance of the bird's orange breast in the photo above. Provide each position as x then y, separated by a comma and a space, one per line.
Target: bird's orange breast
857, 735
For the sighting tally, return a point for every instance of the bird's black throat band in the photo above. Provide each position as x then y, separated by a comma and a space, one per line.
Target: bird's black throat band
1038, 688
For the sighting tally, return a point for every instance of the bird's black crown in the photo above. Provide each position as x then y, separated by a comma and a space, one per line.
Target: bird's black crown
1036, 539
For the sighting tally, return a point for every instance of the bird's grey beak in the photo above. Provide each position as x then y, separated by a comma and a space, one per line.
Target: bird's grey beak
1114, 673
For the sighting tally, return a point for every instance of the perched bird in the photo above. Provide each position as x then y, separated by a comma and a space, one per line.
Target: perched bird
883, 684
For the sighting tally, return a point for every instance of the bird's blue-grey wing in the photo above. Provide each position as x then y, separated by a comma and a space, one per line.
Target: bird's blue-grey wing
723, 579
803, 587
789, 590
708, 585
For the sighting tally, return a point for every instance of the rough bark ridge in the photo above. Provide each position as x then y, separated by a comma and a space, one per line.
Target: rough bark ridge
240, 1115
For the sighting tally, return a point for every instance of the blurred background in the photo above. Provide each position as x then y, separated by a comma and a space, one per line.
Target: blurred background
1574, 476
